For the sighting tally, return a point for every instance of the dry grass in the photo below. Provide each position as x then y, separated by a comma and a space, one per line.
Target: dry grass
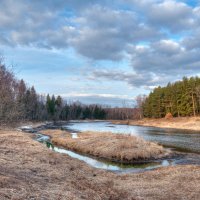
28, 170
186, 123
56, 133
113, 147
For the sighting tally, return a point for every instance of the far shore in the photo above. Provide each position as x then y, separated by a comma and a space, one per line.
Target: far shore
184, 123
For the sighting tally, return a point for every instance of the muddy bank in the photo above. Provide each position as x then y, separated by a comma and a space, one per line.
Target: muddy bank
111, 147
184, 123
28, 170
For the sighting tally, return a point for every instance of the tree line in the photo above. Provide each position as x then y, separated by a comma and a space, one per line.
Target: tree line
123, 113
18, 102
57, 109
181, 98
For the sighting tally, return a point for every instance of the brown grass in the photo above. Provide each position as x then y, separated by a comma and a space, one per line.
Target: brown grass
56, 133
28, 170
113, 147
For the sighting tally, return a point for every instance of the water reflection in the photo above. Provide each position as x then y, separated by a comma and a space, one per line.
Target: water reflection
112, 166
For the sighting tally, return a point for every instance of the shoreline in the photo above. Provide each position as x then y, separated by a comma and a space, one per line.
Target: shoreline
182, 123
179, 123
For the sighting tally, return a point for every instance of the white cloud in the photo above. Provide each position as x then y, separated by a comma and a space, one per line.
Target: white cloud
160, 38
75, 94
103, 99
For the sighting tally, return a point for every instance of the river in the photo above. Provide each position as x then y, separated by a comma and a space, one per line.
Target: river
188, 142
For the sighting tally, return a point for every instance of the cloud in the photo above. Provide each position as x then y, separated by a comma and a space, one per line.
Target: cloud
163, 58
133, 79
192, 42
159, 38
170, 15
74, 94
103, 99
104, 33
95, 31
155, 64
176, 16
167, 47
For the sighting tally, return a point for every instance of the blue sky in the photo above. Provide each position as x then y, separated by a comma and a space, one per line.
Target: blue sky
104, 51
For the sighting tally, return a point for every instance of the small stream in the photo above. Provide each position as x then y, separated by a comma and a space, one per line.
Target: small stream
186, 142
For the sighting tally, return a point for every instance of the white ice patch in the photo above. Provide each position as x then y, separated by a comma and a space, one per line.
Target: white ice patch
165, 163
74, 135
26, 127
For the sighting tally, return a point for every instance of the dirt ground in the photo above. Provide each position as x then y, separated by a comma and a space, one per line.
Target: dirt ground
186, 123
30, 171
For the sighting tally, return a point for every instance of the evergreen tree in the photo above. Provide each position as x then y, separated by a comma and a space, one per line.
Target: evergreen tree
181, 98
50, 105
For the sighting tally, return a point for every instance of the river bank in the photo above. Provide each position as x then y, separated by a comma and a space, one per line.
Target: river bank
28, 170
184, 123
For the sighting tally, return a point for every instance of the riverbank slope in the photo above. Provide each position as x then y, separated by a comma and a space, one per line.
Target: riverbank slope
185, 123
28, 170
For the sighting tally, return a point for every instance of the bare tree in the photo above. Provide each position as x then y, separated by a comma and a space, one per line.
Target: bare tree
139, 101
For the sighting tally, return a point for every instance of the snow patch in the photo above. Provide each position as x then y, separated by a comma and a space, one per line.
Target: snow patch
26, 127
74, 135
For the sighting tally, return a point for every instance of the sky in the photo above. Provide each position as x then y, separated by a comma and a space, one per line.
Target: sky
106, 51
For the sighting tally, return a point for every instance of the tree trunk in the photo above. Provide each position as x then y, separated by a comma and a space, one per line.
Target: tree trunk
193, 104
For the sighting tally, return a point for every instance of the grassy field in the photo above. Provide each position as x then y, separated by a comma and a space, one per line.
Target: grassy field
29, 170
113, 147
